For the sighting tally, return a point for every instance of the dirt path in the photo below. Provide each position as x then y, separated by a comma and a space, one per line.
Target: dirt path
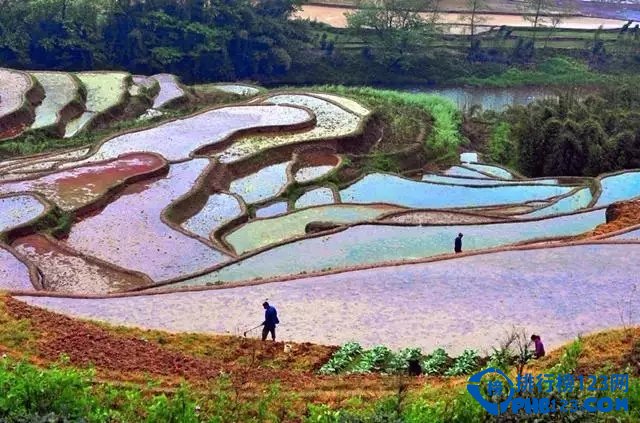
457, 304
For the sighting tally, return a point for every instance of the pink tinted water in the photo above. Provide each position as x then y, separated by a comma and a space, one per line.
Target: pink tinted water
73, 188
14, 275
67, 272
130, 233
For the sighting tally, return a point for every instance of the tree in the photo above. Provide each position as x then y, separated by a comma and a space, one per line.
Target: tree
472, 18
278, 8
397, 27
534, 12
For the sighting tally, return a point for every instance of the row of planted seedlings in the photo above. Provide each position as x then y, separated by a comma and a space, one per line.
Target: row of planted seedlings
352, 358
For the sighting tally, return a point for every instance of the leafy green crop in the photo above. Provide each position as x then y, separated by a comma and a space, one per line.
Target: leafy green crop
465, 364
436, 363
399, 362
341, 358
372, 360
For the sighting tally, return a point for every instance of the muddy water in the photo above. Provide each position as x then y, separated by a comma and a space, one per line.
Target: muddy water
67, 272
335, 16
74, 188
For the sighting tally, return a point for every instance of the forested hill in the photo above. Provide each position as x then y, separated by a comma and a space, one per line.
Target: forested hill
197, 39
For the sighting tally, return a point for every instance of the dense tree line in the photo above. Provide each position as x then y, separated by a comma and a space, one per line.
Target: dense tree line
197, 39
572, 135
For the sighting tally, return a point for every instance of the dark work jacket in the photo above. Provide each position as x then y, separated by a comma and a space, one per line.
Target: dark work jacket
458, 245
271, 317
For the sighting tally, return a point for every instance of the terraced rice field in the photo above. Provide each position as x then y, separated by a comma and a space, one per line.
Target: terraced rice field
493, 171
469, 302
578, 200
631, 235
70, 272
251, 194
14, 87
14, 274
370, 244
219, 209
104, 91
19, 209
262, 185
170, 90
333, 121
274, 209
131, 232
464, 172
260, 233
75, 188
477, 181
315, 197
60, 90
386, 188
622, 186
238, 89
178, 139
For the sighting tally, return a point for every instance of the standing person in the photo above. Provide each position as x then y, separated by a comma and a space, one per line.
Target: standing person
458, 244
270, 321
539, 351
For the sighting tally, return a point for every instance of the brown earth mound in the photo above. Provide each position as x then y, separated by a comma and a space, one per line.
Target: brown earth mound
619, 216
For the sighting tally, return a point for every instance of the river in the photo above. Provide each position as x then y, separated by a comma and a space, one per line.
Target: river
489, 98
335, 16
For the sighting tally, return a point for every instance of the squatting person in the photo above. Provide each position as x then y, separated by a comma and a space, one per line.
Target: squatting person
539, 346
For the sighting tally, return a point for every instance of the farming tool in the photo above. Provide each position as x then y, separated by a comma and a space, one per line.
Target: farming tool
249, 330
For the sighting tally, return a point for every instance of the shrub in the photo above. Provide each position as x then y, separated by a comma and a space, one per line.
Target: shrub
501, 148
29, 392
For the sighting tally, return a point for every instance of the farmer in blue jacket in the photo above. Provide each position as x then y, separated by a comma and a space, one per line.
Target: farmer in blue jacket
270, 321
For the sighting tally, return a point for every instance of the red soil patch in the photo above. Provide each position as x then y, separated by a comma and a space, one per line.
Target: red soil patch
65, 270
86, 343
77, 187
13, 131
619, 216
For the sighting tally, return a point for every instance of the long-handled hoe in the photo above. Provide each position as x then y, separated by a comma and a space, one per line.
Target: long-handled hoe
249, 330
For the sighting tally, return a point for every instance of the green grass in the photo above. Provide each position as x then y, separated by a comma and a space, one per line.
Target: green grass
555, 71
407, 114
64, 394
